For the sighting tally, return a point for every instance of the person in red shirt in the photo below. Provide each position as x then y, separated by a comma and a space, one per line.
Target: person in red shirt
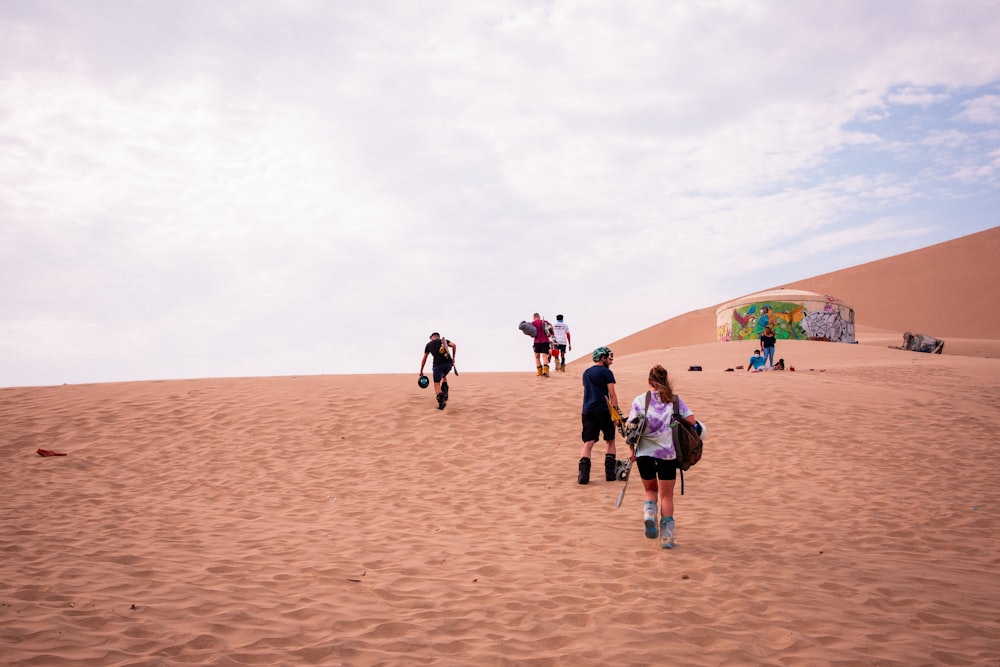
542, 344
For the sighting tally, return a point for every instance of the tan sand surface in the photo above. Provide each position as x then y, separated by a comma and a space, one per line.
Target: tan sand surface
845, 513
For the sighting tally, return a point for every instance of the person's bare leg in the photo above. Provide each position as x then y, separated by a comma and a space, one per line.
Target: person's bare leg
649, 486
668, 527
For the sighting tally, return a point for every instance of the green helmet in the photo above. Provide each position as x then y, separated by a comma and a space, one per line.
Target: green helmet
601, 352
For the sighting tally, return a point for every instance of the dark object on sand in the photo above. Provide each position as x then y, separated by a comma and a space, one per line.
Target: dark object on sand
920, 343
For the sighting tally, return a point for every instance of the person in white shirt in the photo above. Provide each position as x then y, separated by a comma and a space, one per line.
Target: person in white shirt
561, 342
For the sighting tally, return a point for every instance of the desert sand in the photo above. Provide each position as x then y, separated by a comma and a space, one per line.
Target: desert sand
845, 513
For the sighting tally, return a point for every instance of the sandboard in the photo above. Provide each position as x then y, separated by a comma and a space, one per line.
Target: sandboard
621, 495
616, 416
447, 353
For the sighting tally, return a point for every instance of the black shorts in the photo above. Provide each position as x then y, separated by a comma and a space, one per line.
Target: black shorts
596, 422
441, 370
650, 468
541, 348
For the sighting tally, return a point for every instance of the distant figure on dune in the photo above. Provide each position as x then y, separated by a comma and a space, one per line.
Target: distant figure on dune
443, 352
542, 343
767, 344
561, 342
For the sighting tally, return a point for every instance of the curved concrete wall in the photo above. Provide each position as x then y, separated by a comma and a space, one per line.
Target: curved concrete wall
791, 314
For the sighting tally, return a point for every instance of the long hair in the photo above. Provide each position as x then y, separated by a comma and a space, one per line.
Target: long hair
660, 383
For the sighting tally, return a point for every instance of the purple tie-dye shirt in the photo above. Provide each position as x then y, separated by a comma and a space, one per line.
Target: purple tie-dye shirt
658, 440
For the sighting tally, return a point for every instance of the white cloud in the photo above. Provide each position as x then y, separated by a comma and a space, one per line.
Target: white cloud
984, 110
916, 96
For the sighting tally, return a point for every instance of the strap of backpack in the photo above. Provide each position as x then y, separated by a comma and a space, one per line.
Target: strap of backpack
676, 416
645, 414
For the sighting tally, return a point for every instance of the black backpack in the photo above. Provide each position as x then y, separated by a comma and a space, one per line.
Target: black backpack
687, 442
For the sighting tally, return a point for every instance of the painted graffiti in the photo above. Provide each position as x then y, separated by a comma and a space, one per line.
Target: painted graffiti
789, 320
828, 325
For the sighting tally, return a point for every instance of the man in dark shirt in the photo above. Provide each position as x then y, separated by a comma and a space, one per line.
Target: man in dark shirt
443, 352
598, 390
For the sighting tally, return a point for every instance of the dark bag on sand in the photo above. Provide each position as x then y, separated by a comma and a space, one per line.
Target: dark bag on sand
687, 442
636, 426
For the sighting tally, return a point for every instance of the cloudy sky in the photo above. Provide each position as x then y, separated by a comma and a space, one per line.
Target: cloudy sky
279, 187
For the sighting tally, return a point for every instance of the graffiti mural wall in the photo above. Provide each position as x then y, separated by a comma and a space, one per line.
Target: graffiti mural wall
791, 314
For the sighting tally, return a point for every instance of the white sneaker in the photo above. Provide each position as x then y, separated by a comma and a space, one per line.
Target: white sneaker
649, 523
667, 527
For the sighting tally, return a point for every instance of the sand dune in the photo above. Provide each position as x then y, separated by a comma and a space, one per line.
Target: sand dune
845, 513
947, 290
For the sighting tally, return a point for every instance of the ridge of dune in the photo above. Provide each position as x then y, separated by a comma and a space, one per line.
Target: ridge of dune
947, 290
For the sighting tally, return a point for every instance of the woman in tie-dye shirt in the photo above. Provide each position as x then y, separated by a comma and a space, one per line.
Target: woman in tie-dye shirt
655, 455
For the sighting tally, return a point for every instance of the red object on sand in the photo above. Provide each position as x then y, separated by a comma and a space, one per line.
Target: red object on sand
49, 452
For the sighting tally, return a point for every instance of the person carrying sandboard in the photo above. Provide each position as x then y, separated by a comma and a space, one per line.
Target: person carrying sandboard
443, 352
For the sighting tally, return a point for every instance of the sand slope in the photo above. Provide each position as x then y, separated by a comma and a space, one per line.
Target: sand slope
844, 515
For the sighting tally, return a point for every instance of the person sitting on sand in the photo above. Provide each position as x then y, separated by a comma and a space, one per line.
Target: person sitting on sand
780, 366
756, 362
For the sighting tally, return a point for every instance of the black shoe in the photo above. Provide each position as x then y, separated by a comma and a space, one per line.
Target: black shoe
610, 474
444, 390
442, 400
584, 476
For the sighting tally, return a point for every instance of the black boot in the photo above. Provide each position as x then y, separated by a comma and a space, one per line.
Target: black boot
584, 476
444, 389
609, 468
